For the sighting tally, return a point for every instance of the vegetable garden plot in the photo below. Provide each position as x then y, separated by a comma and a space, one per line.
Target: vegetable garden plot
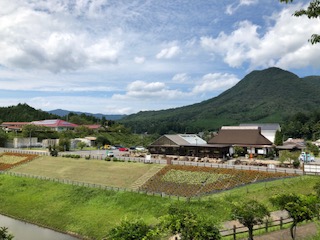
9, 160
190, 181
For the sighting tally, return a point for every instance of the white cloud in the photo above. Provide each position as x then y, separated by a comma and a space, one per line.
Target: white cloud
215, 81
232, 8
168, 53
234, 47
139, 60
284, 44
33, 39
180, 77
144, 90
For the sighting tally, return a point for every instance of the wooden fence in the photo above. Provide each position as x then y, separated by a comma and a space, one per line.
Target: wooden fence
277, 224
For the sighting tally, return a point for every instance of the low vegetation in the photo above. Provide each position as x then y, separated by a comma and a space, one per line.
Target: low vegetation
189, 181
107, 173
9, 160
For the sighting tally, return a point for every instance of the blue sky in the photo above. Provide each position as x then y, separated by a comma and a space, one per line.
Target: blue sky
125, 56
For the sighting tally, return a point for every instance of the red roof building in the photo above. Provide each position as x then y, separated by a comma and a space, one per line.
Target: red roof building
56, 124
13, 126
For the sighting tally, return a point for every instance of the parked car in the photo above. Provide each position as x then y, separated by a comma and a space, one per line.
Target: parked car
140, 148
123, 149
110, 154
306, 157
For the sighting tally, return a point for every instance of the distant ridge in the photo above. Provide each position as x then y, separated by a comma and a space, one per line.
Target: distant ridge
264, 96
62, 113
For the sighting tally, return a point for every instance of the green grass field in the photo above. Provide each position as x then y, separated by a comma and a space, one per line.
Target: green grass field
115, 174
93, 212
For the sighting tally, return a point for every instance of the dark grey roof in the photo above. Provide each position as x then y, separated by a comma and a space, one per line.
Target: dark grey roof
243, 135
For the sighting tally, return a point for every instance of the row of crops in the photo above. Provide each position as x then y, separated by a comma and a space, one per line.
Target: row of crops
9, 160
190, 181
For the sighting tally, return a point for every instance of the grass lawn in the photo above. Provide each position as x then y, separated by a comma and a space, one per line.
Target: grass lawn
116, 174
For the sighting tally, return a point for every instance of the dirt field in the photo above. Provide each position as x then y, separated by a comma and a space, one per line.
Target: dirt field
116, 174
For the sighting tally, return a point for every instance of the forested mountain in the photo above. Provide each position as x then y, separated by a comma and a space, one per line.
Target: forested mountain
265, 96
63, 113
23, 113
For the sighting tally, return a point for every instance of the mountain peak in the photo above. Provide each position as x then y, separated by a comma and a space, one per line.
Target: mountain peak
264, 96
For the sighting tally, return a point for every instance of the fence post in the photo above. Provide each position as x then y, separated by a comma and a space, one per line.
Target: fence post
267, 223
234, 232
281, 222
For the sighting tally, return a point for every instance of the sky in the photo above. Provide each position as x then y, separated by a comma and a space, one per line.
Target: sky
126, 56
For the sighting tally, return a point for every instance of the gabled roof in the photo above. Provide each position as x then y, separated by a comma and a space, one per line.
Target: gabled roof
179, 140
55, 123
240, 135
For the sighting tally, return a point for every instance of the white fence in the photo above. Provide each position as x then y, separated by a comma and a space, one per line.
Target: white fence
311, 169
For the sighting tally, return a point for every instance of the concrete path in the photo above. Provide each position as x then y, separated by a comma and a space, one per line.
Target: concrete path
304, 231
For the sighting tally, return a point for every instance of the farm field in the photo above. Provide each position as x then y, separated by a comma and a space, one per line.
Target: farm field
114, 174
190, 181
9, 160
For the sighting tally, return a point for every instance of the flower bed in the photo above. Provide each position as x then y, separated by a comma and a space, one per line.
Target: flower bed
9, 160
188, 181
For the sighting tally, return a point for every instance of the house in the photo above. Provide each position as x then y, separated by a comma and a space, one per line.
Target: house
247, 137
56, 124
293, 144
177, 144
13, 126
267, 129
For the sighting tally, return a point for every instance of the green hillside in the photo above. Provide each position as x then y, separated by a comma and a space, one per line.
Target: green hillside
23, 113
266, 96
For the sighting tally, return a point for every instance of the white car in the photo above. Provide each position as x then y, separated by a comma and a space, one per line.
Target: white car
140, 148
306, 157
110, 154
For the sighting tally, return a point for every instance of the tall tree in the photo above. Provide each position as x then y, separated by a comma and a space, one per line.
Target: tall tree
278, 139
250, 213
3, 138
299, 207
312, 11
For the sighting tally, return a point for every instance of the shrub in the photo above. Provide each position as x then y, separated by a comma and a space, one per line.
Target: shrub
108, 159
296, 163
136, 229
87, 157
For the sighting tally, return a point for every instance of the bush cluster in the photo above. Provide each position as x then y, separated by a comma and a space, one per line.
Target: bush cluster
71, 156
